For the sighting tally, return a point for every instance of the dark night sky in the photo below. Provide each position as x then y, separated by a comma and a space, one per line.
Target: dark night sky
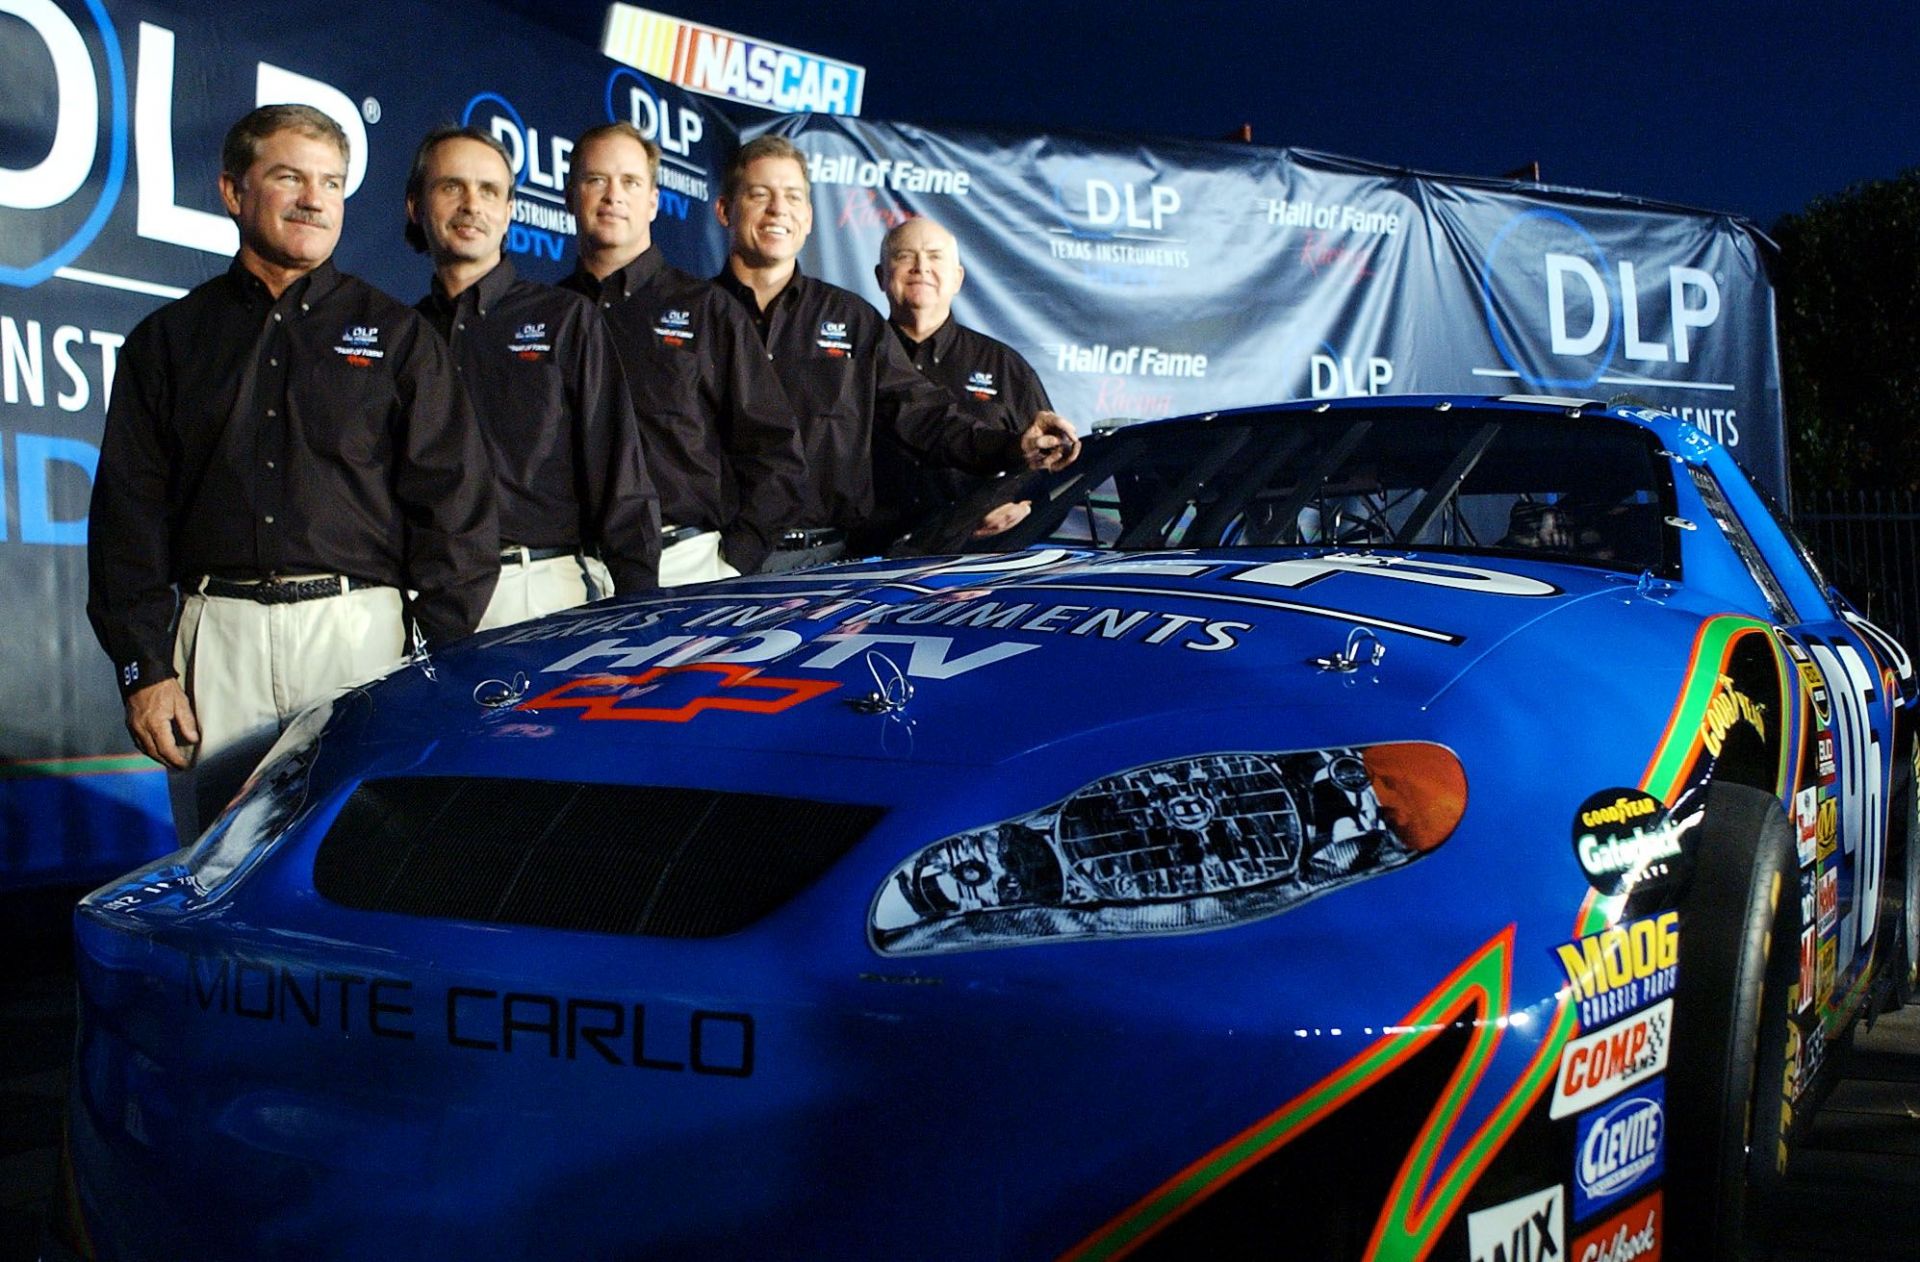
1752, 109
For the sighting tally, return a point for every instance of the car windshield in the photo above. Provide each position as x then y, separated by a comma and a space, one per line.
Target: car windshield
1486, 480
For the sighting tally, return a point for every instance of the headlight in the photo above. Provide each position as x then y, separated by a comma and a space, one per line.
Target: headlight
1190, 844
269, 802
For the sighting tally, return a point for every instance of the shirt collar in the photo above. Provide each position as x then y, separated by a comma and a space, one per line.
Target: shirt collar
623, 283
304, 292
941, 339
744, 292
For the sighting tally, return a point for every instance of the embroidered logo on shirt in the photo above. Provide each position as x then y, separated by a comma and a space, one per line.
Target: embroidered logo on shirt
675, 327
833, 338
980, 385
530, 342
360, 343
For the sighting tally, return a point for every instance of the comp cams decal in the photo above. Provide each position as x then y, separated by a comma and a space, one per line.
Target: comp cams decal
1600, 1065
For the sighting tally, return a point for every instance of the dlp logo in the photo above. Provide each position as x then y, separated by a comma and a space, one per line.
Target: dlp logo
676, 129
1331, 375
1562, 311
1122, 208
54, 208
534, 166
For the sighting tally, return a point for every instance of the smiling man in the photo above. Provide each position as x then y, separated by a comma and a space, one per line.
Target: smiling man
920, 273
578, 518
285, 482
846, 375
721, 441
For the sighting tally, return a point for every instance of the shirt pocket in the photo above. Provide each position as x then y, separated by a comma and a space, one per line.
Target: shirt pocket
345, 410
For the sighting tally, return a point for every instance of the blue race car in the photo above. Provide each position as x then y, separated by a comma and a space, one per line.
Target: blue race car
1393, 828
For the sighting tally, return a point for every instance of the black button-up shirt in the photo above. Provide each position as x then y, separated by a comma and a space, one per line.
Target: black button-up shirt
320, 433
721, 440
852, 385
540, 368
990, 381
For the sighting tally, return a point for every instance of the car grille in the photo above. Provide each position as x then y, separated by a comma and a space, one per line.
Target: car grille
664, 862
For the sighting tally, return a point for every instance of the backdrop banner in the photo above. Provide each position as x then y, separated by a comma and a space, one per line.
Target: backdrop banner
110, 130
1142, 278
1155, 278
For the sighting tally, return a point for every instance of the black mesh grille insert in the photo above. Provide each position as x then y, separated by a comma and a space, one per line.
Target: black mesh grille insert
676, 863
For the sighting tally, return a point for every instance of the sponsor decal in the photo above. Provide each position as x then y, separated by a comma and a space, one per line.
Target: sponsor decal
742, 689
1622, 968
1810, 1056
1624, 838
1828, 970
360, 345
1826, 828
1727, 707
1117, 231
1823, 758
1806, 821
1827, 898
1564, 312
1599, 1066
674, 327
1620, 1149
1526, 1229
832, 338
328, 1002
1632, 1235
529, 343
734, 67
980, 385
1809, 967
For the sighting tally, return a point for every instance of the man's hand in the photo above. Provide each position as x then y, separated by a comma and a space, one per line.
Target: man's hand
1002, 518
1049, 443
160, 719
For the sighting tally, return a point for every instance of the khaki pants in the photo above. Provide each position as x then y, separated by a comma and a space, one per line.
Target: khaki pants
248, 668
695, 560
531, 589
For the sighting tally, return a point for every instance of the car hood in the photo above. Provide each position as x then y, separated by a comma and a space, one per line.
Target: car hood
981, 660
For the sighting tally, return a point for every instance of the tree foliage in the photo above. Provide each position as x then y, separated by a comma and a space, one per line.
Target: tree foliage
1848, 292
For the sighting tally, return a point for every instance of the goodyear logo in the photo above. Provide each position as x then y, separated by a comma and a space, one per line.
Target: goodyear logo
1623, 968
1729, 707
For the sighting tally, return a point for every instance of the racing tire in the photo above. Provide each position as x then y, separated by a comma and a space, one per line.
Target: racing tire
1727, 1079
1903, 962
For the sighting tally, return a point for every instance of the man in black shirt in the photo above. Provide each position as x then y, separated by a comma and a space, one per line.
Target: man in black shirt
578, 519
287, 453
845, 374
920, 272
721, 442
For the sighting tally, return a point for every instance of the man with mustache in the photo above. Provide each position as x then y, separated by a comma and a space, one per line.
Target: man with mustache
578, 518
846, 375
286, 496
721, 442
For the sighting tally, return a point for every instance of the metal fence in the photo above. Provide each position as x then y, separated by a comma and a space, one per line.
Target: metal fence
1868, 542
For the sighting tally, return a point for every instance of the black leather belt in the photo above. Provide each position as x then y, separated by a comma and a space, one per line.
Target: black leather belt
805, 537
514, 556
670, 535
276, 591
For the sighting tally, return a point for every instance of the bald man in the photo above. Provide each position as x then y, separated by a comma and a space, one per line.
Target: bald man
920, 272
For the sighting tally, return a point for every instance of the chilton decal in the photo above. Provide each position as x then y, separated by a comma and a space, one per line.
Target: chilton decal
1601, 1065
